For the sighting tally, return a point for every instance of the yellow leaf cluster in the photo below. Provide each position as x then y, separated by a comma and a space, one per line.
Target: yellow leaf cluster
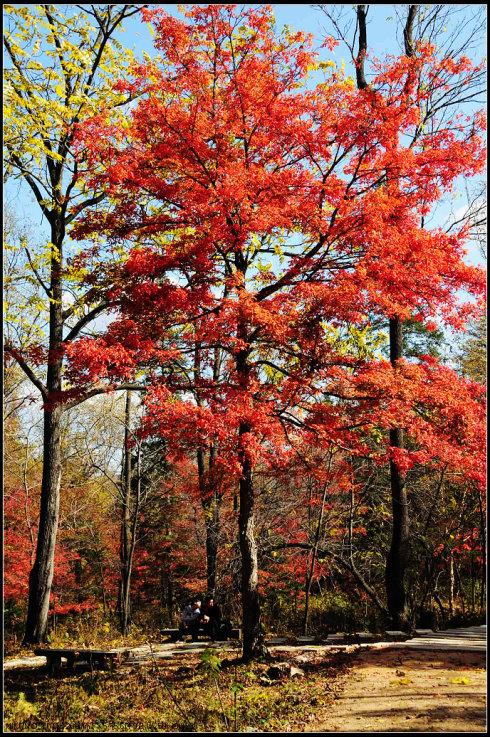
53, 78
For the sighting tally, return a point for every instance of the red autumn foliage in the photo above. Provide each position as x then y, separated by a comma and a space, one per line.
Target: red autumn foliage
19, 541
227, 157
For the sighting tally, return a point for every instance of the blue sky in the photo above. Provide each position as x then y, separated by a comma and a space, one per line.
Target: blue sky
301, 16
381, 22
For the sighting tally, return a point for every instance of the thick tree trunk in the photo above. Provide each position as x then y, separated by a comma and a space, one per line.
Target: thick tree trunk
398, 555
253, 637
41, 575
397, 559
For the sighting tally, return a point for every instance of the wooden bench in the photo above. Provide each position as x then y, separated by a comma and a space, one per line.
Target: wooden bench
94, 658
396, 635
335, 638
173, 633
358, 638
170, 632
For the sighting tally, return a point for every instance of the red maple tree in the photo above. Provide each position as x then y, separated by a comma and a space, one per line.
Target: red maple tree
266, 214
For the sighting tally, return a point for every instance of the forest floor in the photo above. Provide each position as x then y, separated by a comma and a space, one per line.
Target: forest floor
355, 689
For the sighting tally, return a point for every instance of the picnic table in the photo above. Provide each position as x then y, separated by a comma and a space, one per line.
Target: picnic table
94, 658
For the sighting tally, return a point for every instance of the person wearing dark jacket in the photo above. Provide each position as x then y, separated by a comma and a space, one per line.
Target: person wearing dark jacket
210, 618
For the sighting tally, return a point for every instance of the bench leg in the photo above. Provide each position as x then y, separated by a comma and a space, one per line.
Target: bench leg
53, 663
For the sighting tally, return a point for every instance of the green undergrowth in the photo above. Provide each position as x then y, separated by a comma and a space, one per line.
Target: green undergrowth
329, 612
213, 692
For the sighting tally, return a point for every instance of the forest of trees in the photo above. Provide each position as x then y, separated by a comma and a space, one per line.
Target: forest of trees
247, 355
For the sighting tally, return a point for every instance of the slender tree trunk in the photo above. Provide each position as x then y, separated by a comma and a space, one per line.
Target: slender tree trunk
212, 517
398, 554
451, 583
309, 578
102, 588
41, 575
132, 542
308, 573
212, 509
314, 554
210, 498
124, 602
167, 590
472, 577
397, 558
166, 582
361, 54
483, 553
210, 501
460, 588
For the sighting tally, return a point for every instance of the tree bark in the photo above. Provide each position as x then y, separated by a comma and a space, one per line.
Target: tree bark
166, 582
41, 575
361, 12
212, 518
451, 583
483, 553
167, 591
397, 558
124, 601
253, 636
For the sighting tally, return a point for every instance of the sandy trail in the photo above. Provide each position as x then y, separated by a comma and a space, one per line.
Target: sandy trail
399, 690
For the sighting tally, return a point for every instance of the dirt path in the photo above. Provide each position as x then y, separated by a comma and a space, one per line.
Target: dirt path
398, 690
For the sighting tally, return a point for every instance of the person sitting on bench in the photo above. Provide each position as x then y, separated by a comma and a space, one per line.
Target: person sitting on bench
189, 619
210, 618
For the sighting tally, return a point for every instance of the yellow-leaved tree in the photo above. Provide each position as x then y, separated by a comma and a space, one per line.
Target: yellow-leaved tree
61, 62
